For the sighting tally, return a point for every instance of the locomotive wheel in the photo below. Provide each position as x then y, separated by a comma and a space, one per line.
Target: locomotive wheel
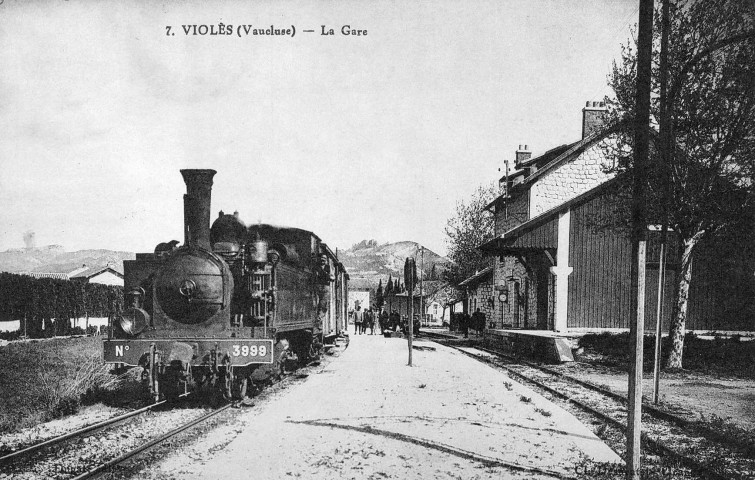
240, 386
226, 383
173, 382
203, 384
314, 353
278, 368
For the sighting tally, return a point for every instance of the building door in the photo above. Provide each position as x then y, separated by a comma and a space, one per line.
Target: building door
542, 293
525, 304
516, 306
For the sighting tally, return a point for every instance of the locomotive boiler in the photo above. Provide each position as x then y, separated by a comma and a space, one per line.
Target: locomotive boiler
234, 305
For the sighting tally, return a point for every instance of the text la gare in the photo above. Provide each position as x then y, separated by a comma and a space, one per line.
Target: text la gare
345, 30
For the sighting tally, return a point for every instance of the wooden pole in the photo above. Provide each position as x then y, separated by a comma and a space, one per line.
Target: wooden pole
658, 318
421, 281
665, 184
639, 234
410, 279
411, 324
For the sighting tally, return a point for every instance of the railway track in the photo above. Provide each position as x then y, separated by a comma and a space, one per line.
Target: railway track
90, 451
104, 467
664, 434
76, 434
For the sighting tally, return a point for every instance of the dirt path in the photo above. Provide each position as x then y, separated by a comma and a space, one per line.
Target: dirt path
368, 415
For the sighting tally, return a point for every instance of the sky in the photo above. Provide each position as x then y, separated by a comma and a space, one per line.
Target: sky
376, 136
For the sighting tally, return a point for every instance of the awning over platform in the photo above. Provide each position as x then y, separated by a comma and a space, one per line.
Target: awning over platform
478, 277
537, 234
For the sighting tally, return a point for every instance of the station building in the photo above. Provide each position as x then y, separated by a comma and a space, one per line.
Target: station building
562, 251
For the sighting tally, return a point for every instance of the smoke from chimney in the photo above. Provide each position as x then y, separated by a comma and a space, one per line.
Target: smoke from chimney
30, 240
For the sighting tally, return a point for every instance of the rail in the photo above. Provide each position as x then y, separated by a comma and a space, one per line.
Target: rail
79, 433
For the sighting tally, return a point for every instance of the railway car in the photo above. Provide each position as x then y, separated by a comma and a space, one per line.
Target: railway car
234, 305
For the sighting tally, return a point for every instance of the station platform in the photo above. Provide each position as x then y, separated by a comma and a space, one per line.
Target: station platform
544, 345
366, 414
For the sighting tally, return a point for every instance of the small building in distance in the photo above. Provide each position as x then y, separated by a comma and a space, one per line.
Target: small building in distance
106, 275
437, 295
360, 289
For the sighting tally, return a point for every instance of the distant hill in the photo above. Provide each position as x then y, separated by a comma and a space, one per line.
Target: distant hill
368, 262
54, 259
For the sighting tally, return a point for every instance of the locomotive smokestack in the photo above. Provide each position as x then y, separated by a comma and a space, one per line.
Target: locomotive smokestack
197, 207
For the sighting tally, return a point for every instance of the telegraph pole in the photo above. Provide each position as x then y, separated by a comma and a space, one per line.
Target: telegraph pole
421, 283
410, 280
639, 235
665, 159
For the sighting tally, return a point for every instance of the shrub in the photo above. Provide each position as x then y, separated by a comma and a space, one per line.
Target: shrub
44, 379
10, 335
728, 356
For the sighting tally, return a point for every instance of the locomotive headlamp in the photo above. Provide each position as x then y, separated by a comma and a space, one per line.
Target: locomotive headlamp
133, 321
127, 324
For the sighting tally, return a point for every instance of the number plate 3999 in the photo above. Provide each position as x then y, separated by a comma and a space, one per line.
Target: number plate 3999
249, 350
244, 353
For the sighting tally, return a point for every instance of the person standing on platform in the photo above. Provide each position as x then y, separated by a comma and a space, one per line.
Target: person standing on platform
478, 321
370, 322
384, 321
358, 319
366, 322
395, 320
464, 324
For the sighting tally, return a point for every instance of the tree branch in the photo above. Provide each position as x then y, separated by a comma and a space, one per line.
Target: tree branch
749, 34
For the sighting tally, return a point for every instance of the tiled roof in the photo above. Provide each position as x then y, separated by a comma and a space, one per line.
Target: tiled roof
544, 158
57, 276
573, 150
556, 156
90, 272
477, 276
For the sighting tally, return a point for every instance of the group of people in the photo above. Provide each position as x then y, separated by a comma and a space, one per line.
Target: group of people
369, 318
476, 321
364, 319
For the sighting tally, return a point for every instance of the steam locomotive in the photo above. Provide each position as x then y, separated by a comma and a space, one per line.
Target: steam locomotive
234, 305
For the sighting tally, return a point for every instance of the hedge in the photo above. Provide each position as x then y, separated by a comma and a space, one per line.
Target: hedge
40, 300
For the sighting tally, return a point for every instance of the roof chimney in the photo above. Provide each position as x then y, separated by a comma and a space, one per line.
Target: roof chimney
522, 154
593, 118
197, 207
